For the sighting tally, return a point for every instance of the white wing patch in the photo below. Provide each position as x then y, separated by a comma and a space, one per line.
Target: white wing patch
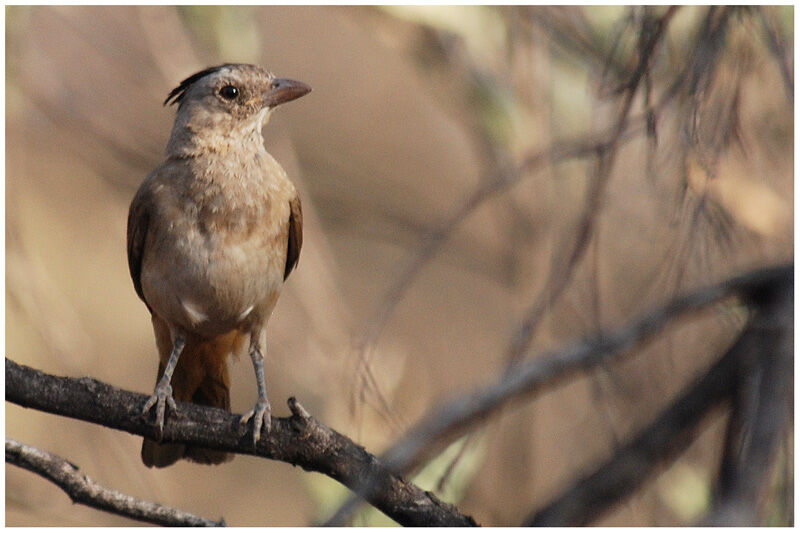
245, 313
195, 314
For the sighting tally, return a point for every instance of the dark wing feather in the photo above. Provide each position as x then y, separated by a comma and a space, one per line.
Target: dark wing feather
295, 240
138, 220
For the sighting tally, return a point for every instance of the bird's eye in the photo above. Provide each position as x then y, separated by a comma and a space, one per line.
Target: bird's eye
229, 92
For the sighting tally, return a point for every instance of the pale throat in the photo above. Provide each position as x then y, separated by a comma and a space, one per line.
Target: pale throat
198, 136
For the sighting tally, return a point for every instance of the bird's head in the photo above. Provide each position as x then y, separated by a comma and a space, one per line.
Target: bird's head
229, 102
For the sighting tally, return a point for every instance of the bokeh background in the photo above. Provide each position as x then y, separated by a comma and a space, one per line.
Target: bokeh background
414, 109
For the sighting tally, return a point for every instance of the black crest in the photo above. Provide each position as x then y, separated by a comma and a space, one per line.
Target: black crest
177, 94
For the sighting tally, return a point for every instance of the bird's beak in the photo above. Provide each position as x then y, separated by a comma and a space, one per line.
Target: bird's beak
284, 90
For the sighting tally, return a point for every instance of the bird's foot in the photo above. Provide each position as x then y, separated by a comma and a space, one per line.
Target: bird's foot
261, 414
160, 399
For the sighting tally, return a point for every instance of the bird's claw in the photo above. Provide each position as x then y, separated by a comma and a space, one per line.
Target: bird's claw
160, 399
261, 414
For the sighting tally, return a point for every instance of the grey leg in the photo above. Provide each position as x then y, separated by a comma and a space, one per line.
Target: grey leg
261, 413
163, 393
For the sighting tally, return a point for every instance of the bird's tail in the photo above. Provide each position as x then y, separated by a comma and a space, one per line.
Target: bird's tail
200, 377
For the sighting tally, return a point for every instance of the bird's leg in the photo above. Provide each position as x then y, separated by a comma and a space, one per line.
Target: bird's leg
261, 412
162, 396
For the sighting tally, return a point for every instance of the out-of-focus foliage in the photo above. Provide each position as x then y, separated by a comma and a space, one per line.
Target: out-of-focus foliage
686, 491
413, 110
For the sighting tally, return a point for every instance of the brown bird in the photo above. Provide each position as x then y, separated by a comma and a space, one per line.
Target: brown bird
213, 233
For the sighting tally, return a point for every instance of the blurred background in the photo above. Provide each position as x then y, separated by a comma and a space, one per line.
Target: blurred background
442, 163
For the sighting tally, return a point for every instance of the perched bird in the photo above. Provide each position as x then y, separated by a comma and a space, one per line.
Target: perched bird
213, 233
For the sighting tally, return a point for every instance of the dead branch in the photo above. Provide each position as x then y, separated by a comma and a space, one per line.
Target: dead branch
85, 490
299, 440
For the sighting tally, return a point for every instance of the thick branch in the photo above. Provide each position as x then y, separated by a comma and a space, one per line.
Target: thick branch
299, 440
83, 489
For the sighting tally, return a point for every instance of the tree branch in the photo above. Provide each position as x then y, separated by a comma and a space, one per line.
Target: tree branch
83, 489
535, 373
765, 395
299, 440
665, 438
768, 337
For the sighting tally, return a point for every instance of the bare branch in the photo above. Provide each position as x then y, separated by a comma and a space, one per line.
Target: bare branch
765, 387
83, 489
536, 373
299, 440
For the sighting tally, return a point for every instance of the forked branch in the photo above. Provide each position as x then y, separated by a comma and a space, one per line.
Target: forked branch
299, 440
85, 490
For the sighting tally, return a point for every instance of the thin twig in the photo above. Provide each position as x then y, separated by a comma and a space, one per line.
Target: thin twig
299, 440
568, 28
560, 277
83, 489
776, 45
490, 187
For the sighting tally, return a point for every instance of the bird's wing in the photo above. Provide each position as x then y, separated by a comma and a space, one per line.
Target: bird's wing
295, 240
138, 220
